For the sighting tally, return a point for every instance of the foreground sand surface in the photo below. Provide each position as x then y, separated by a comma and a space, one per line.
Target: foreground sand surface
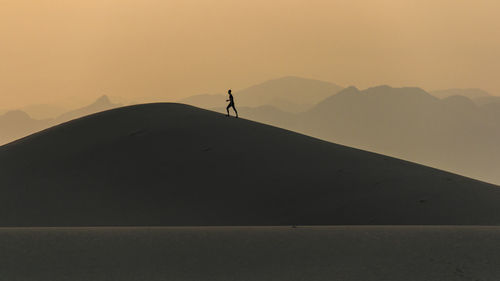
251, 253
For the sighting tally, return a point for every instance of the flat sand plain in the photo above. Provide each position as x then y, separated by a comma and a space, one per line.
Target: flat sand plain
251, 253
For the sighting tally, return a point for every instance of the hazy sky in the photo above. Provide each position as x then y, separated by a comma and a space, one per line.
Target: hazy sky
75, 50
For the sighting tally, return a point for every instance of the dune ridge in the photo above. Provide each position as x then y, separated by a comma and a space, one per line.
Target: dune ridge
176, 165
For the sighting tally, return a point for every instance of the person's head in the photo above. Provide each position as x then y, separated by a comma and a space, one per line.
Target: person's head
229, 91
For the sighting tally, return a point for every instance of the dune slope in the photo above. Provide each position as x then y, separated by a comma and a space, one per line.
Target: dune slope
173, 164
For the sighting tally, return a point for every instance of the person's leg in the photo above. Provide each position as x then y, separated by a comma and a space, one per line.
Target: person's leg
236, 111
227, 109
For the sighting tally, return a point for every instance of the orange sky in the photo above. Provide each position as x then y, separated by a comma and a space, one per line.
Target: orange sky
70, 50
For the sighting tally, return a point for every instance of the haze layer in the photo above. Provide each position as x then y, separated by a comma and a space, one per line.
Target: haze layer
75, 51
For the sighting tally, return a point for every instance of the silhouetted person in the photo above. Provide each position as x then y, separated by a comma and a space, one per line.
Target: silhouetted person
231, 104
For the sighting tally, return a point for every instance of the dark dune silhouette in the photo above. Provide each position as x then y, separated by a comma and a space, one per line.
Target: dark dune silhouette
268, 115
283, 95
173, 164
454, 133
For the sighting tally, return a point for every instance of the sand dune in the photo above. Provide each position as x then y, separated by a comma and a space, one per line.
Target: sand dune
173, 164
455, 133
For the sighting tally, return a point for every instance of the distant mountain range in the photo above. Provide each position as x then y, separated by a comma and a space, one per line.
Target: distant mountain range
291, 94
453, 133
472, 93
17, 124
458, 132
294, 94
101, 104
205, 100
487, 100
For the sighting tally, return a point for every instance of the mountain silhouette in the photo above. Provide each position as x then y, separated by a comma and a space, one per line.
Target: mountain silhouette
289, 94
173, 164
101, 104
18, 124
44, 111
453, 133
471, 93
487, 100
205, 100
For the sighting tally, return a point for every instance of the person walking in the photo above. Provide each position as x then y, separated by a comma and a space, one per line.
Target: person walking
231, 104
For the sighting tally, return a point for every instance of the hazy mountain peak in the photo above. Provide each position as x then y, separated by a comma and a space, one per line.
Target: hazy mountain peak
391, 92
16, 124
471, 93
379, 88
349, 90
16, 115
376, 97
288, 93
102, 103
344, 95
459, 102
103, 100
